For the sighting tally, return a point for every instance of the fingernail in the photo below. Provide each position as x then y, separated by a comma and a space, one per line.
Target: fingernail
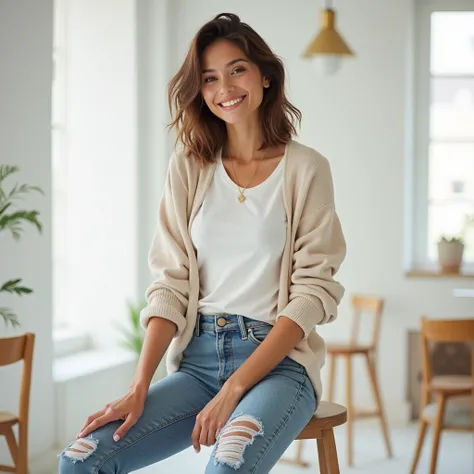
116, 437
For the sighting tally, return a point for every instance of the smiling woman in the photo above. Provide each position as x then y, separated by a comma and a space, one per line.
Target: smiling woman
244, 256
229, 75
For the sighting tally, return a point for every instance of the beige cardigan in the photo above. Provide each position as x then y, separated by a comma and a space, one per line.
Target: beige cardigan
314, 250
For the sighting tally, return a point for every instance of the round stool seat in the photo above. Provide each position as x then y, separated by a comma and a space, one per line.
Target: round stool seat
328, 416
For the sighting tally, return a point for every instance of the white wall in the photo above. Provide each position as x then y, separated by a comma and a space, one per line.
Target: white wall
102, 164
25, 110
358, 120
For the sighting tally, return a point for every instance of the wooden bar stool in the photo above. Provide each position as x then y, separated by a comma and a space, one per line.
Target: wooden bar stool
453, 408
328, 416
12, 350
360, 304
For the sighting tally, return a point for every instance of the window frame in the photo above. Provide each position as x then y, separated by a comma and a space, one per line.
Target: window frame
422, 24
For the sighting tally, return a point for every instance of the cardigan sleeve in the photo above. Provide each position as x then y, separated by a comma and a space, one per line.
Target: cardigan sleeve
167, 297
319, 251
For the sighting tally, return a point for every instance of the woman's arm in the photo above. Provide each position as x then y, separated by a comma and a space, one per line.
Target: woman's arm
279, 342
167, 297
158, 337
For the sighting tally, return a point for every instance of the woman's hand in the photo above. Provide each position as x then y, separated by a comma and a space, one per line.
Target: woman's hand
128, 408
213, 417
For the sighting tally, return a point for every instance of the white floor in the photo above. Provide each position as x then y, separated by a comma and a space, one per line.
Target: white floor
456, 455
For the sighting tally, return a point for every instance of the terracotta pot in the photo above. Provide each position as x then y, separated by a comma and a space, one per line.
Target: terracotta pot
450, 256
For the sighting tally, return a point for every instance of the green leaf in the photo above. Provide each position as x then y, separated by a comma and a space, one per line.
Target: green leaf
14, 221
9, 317
7, 170
12, 286
18, 191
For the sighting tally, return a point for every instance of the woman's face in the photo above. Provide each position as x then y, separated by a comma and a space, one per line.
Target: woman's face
232, 86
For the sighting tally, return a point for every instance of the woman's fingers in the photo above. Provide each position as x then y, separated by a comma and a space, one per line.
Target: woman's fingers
130, 420
195, 436
97, 423
89, 420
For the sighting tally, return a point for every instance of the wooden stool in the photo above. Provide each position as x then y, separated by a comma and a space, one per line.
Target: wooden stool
320, 427
368, 352
454, 395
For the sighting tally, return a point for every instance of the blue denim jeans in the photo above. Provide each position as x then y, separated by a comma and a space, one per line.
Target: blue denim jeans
278, 408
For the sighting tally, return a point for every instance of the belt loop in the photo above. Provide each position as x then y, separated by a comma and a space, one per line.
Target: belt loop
198, 324
243, 329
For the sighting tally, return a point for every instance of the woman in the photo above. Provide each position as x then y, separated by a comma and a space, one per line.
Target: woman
244, 256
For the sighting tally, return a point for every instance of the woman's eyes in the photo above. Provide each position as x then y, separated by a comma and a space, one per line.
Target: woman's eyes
237, 70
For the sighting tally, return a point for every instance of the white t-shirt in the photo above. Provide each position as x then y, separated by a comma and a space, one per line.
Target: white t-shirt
240, 246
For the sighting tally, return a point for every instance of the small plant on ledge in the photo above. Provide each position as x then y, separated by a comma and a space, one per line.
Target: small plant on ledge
11, 220
450, 253
133, 333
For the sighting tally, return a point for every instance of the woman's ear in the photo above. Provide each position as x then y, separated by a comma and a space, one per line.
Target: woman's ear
266, 83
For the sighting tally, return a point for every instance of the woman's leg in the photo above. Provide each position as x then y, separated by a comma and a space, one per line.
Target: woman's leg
164, 429
266, 421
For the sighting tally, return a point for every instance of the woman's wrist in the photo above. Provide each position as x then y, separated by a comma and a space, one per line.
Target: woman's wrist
140, 388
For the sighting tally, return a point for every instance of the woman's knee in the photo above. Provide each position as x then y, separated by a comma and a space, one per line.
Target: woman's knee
77, 457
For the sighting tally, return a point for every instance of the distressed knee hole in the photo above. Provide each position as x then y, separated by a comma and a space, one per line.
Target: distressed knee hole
81, 449
238, 433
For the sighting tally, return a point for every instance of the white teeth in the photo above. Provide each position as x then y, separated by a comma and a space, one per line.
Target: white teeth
232, 102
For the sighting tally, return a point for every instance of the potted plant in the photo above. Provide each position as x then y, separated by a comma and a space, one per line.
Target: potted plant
450, 253
12, 219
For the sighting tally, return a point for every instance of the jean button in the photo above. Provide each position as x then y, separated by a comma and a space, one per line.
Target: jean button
221, 322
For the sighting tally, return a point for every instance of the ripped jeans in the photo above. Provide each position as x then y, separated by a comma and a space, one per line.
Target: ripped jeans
265, 422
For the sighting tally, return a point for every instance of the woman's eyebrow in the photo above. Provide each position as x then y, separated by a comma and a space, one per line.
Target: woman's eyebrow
231, 63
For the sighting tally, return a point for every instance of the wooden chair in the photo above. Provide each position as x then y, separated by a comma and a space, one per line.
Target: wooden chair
15, 349
320, 428
454, 405
360, 304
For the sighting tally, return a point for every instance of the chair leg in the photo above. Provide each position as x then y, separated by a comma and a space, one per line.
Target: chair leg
332, 376
323, 462
22, 465
378, 401
349, 409
12, 446
330, 452
419, 444
437, 426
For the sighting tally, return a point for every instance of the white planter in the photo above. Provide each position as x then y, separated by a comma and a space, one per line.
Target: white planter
450, 256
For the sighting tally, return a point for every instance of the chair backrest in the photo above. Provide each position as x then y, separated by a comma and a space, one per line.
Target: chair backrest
444, 330
367, 304
16, 349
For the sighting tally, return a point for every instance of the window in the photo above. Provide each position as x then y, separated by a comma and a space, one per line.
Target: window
444, 152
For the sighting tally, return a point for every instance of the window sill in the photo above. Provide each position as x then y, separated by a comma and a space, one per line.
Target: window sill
433, 273
70, 341
89, 362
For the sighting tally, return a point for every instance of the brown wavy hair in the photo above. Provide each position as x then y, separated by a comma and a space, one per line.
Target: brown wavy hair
202, 133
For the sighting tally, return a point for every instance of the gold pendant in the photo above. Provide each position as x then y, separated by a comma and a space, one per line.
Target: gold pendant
241, 197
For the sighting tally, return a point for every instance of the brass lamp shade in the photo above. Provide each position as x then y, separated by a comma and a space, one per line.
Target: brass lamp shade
328, 41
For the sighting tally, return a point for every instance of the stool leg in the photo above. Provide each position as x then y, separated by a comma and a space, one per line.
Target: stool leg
323, 462
332, 376
349, 408
331, 452
378, 401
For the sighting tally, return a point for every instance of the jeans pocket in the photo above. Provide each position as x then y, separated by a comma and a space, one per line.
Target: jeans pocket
258, 334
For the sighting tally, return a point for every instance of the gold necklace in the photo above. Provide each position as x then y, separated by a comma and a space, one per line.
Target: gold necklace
241, 197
